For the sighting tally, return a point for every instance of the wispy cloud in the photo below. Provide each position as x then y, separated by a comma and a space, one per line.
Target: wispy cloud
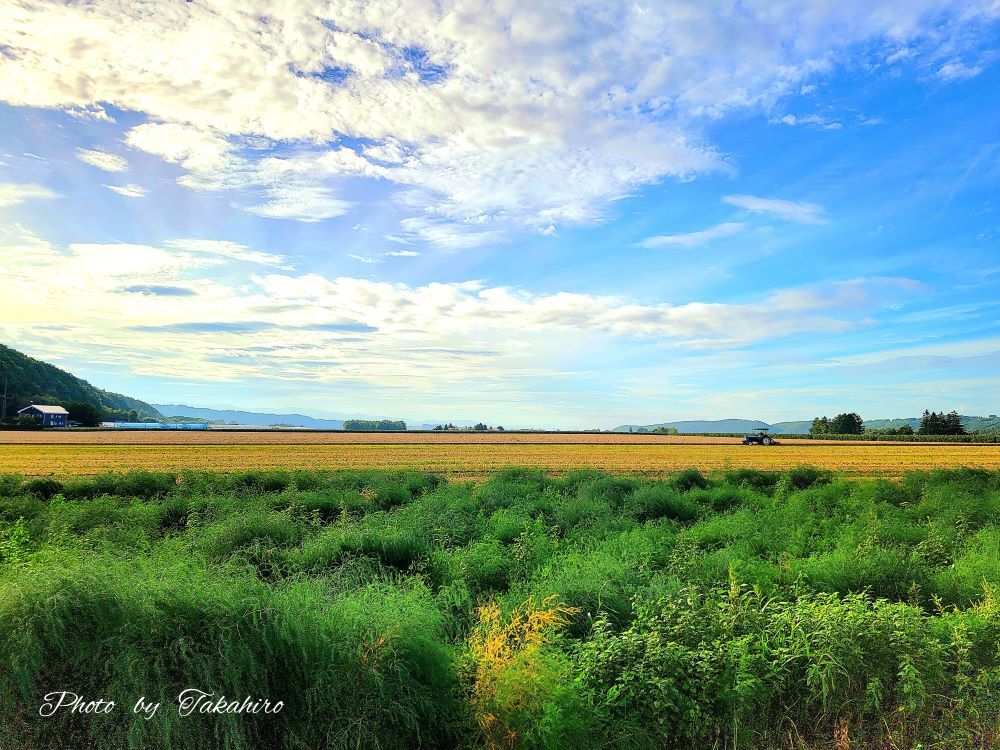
956, 70
301, 202
128, 191
369, 259
446, 234
695, 239
102, 159
158, 290
801, 212
228, 249
815, 121
12, 193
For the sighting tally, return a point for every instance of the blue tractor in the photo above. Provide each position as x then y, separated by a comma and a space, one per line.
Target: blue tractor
759, 438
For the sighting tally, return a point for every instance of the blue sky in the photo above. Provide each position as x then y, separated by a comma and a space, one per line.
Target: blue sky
573, 217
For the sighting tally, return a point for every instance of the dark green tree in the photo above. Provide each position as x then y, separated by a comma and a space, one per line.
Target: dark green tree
820, 426
848, 423
953, 424
86, 414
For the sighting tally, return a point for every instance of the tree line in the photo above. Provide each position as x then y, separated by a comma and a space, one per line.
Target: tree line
375, 425
850, 423
478, 427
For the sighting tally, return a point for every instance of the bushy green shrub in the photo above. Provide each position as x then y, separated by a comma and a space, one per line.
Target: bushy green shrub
43, 488
759, 481
711, 668
689, 479
611, 490
367, 669
660, 501
702, 612
220, 540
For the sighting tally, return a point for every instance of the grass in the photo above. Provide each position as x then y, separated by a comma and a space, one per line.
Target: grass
394, 609
472, 459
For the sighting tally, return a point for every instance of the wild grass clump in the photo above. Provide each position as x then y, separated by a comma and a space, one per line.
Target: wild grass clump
393, 609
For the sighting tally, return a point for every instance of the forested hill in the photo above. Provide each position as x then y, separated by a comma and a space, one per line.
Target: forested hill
31, 381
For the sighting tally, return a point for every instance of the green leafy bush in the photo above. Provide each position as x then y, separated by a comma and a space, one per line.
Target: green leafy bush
393, 609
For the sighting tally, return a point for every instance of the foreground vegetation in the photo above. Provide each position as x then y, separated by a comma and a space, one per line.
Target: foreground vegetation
395, 609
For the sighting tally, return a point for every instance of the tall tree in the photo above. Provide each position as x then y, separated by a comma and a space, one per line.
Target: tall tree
848, 423
820, 426
953, 424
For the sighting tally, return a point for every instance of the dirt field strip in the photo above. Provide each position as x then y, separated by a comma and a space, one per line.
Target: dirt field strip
474, 459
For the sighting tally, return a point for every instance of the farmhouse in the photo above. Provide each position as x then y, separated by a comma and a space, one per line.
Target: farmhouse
49, 416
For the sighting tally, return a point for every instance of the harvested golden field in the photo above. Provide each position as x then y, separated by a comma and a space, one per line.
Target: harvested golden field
307, 437
475, 459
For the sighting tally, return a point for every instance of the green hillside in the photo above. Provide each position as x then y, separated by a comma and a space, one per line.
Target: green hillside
31, 381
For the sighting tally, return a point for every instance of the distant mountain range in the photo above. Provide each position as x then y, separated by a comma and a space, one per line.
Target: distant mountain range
31, 381
248, 417
972, 424
266, 419
721, 425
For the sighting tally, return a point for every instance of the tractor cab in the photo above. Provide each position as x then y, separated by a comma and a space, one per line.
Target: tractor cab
760, 437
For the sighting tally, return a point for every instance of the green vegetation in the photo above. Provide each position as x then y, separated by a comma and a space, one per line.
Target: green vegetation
395, 610
30, 381
933, 423
843, 424
374, 425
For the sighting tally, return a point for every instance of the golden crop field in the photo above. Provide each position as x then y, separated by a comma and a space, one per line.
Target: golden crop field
66, 454
306, 437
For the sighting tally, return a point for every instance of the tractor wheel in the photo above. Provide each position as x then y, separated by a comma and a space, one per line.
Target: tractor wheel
766, 440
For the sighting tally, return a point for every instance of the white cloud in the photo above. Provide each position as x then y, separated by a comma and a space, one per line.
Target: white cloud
956, 70
232, 250
445, 234
695, 239
369, 259
402, 254
525, 115
814, 121
102, 159
201, 152
300, 202
197, 305
13, 193
129, 191
801, 212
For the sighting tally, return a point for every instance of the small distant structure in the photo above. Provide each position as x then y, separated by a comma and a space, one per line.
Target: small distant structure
46, 414
159, 425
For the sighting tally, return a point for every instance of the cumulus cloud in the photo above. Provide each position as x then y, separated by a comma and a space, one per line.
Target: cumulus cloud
506, 116
695, 239
801, 212
102, 159
13, 193
176, 308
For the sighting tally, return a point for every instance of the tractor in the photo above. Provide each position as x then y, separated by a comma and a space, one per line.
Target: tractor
759, 438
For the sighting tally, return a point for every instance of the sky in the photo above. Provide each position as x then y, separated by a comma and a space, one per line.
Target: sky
577, 214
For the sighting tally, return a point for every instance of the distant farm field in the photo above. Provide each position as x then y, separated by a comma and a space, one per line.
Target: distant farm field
460, 455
